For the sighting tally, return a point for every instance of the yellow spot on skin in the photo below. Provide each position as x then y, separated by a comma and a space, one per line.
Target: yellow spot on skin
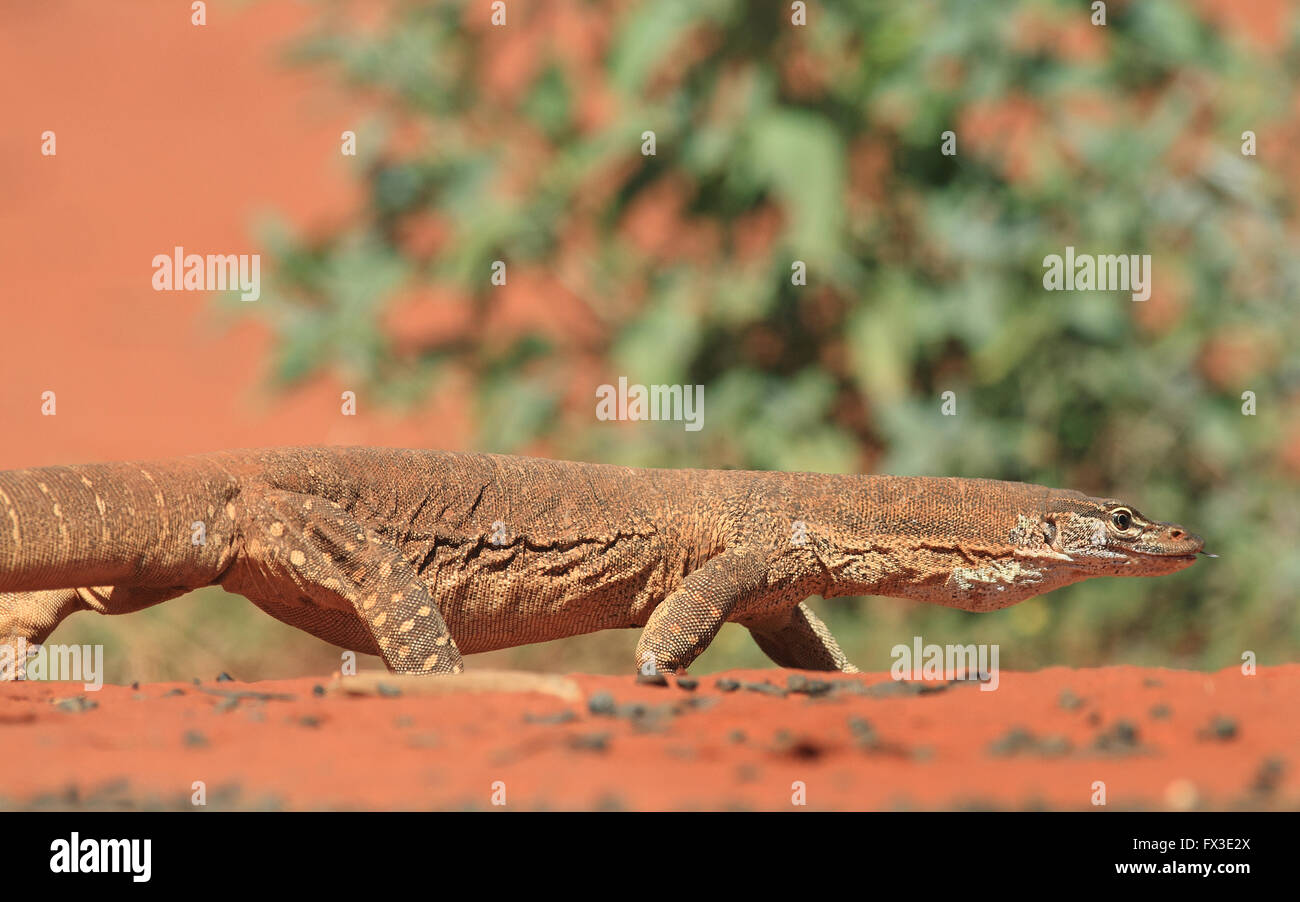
397, 598
457, 669
307, 504
87, 483
441, 640
230, 510
406, 626
99, 503
424, 611
297, 558
379, 621
369, 602
404, 650
430, 661
57, 511
277, 528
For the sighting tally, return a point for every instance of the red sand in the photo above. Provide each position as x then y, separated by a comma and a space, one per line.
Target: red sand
738, 750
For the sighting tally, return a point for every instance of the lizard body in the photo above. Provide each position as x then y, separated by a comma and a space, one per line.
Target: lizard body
420, 556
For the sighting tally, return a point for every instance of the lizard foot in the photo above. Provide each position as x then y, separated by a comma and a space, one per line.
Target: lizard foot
14, 652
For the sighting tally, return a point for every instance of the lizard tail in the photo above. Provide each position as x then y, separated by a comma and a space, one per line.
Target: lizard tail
148, 525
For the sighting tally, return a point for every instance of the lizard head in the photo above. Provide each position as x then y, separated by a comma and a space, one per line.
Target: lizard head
1106, 537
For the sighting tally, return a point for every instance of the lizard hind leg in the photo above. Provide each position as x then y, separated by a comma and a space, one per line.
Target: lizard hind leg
802, 642
33, 616
26, 619
307, 561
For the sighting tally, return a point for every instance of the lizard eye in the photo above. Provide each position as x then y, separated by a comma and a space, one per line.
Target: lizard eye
1121, 519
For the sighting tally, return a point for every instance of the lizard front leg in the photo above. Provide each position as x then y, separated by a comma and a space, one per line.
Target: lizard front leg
685, 622
307, 561
801, 641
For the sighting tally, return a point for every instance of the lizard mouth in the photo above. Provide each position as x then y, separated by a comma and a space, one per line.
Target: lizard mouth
1172, 544
1189, 555
1182, 558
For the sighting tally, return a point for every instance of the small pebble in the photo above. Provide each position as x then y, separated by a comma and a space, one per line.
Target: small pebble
1013, 742
602, 703
798, 683
555, 718
1224, 729
1122, 736
590, 742
1069, 701
1268, 776
765, 688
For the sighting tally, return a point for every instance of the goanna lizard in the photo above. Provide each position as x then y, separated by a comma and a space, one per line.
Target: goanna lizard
423, 556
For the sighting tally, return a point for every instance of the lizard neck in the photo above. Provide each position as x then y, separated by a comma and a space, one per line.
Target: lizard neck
940, 540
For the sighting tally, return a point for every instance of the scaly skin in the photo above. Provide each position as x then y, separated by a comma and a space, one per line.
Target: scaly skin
420, 556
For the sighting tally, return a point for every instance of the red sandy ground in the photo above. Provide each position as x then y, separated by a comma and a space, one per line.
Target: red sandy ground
726, 750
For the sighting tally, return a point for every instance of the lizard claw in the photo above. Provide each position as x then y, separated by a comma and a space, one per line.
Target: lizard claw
649, 666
